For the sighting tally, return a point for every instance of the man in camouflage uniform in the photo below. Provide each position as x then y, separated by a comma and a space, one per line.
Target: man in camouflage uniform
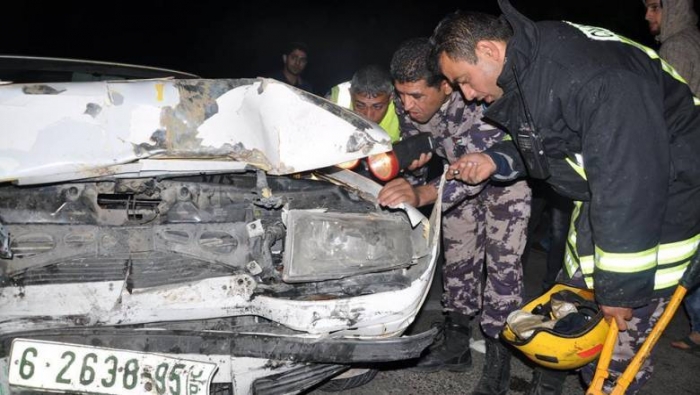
484, 226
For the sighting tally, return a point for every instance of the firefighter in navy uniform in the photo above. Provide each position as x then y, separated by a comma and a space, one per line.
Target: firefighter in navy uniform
607, 123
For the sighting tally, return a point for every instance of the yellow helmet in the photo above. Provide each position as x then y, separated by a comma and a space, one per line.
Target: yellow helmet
556, 350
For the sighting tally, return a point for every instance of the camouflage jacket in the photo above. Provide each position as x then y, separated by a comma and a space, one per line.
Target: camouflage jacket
457, 128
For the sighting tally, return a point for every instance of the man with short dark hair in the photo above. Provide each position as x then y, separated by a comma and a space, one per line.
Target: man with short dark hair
294, 61
369, 94
484, 226
605, 122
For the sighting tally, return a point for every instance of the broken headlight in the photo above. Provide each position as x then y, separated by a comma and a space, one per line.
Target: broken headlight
324, 246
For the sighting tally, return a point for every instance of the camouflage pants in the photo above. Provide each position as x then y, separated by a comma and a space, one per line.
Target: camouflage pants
628, 342
486, 232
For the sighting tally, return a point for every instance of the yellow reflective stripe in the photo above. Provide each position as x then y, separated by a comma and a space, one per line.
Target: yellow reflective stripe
578, 169
572, 237
587, 264
601, 34
678, 251
570, 264
340, 95
669, 277
390, 123
626, 263
507, 137
574, 215
667, 254
669, 69
571, 261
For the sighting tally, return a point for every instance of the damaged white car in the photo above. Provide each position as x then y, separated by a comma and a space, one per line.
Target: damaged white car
186, 236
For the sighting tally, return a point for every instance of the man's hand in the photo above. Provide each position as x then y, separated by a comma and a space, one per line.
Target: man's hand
472, 168
421, 161
620, 314
399, 191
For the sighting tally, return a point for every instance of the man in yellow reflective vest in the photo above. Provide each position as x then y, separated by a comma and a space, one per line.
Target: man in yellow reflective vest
370, 94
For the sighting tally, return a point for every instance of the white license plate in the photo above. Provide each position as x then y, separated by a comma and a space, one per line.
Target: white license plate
62, 367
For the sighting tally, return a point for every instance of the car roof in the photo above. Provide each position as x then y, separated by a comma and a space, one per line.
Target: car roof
27, 69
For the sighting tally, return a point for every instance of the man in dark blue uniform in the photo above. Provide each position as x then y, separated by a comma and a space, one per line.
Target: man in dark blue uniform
605, 122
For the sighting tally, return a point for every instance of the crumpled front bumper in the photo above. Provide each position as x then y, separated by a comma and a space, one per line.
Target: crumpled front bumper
332, 334
256, 363
251, 345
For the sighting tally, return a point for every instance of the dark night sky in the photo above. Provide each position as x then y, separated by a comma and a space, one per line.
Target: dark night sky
232, 39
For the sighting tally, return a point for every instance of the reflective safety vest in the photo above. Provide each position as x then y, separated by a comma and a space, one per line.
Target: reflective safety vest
340, 95
669, 259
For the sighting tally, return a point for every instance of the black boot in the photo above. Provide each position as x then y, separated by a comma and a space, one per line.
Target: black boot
495, 379
547, 381
451, 350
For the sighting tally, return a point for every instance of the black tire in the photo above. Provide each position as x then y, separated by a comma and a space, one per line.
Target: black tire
350, 382
220, 389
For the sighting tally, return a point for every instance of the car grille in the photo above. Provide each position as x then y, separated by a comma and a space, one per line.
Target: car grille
146, 271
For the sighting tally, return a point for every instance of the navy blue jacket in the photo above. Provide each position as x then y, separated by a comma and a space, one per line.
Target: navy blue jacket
621, 136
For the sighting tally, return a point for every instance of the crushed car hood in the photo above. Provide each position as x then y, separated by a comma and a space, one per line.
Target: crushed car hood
69, 131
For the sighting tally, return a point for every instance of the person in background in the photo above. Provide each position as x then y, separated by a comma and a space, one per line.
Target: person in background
674, 23
606, 123
484, 226
369, 94
294, 61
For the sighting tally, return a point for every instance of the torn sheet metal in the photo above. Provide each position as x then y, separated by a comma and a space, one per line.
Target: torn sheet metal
368, 188
108, 303
143, 168
78, 130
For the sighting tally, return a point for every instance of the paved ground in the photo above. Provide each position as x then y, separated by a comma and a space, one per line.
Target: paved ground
676, 372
